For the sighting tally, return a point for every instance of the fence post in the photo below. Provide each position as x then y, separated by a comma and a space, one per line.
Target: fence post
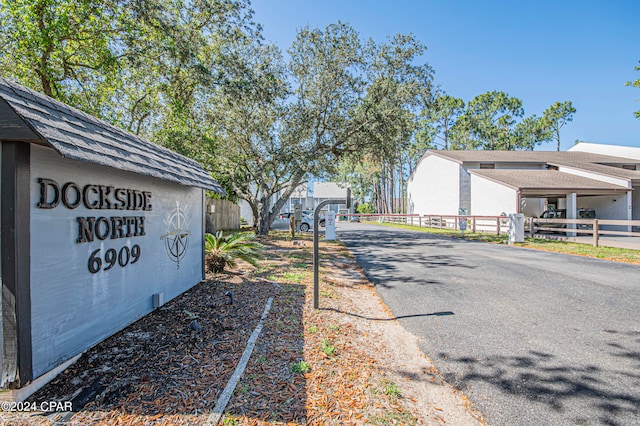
455, 223
473, 224
420, 221
596, 231
498, 226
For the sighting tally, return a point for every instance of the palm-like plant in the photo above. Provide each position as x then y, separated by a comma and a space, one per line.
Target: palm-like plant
224, 250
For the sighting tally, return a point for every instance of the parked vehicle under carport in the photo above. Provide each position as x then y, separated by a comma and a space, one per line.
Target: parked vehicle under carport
562, 214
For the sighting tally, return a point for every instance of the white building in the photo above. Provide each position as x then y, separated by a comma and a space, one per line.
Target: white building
495, 182
323, 191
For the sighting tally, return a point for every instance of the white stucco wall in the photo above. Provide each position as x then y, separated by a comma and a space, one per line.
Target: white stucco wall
532, 207
434, 187
326, 190
465, 189
490, 198
507, 166
596, 176
605, 207
245, 212
615, 150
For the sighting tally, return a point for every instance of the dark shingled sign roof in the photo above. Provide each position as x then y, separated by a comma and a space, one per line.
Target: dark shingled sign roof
29, 116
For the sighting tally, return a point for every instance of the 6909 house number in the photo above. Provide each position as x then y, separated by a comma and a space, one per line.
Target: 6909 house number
112, 257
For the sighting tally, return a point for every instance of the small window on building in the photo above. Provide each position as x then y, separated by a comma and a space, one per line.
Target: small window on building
487, 166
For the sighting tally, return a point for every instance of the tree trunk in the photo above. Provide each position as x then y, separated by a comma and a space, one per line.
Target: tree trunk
215, 263
267, 212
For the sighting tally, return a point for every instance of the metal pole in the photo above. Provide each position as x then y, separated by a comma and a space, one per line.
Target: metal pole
316, 259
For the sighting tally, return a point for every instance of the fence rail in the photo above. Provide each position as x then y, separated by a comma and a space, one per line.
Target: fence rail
492, 224
500, 224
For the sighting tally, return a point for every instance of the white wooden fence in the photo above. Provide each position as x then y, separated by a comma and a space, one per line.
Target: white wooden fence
587, 227
595, 228
491, 224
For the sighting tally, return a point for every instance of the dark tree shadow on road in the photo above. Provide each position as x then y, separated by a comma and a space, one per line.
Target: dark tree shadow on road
431, 314
537, 377
395, 263
402, 265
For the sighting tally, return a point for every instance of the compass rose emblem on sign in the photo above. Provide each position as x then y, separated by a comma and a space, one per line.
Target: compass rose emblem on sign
176, 240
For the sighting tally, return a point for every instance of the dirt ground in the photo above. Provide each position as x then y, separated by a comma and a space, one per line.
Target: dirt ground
349, 362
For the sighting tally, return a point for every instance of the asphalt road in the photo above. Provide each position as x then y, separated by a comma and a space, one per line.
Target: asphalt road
532, 338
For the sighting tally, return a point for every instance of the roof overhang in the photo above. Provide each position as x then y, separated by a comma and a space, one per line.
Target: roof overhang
549, 183
559, 192
14, 128
28, 116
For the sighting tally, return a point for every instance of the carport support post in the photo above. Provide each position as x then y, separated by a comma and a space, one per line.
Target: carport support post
571, 213
316, 259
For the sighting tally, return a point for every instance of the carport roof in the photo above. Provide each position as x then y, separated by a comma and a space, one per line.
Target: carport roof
28, 116
548, 182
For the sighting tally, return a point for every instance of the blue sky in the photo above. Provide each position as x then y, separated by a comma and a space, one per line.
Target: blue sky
538, 51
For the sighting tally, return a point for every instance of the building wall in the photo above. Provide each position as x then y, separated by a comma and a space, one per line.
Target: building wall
501, 166
532, 207
596, 176
246, 213
82, 292
327, 190
434, 187
465, 189
635, 202
605, 206
2, 375
489, 198
615, 150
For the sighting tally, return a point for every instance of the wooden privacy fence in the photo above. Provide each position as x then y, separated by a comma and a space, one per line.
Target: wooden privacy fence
225, 214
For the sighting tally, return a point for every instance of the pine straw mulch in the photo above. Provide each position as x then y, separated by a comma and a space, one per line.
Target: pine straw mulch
308, 367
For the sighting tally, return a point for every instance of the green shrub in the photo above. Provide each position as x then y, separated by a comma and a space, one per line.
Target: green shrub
300, 367
222, 251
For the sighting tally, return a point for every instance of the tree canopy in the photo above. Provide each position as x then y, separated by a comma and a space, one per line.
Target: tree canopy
197, 77
635, 83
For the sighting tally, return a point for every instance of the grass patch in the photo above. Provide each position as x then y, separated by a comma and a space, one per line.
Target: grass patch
473, 236
300, 367
327, 348
293, 277
606, 253
297, 256
328, 294
565, 247
393, 418
391, 389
